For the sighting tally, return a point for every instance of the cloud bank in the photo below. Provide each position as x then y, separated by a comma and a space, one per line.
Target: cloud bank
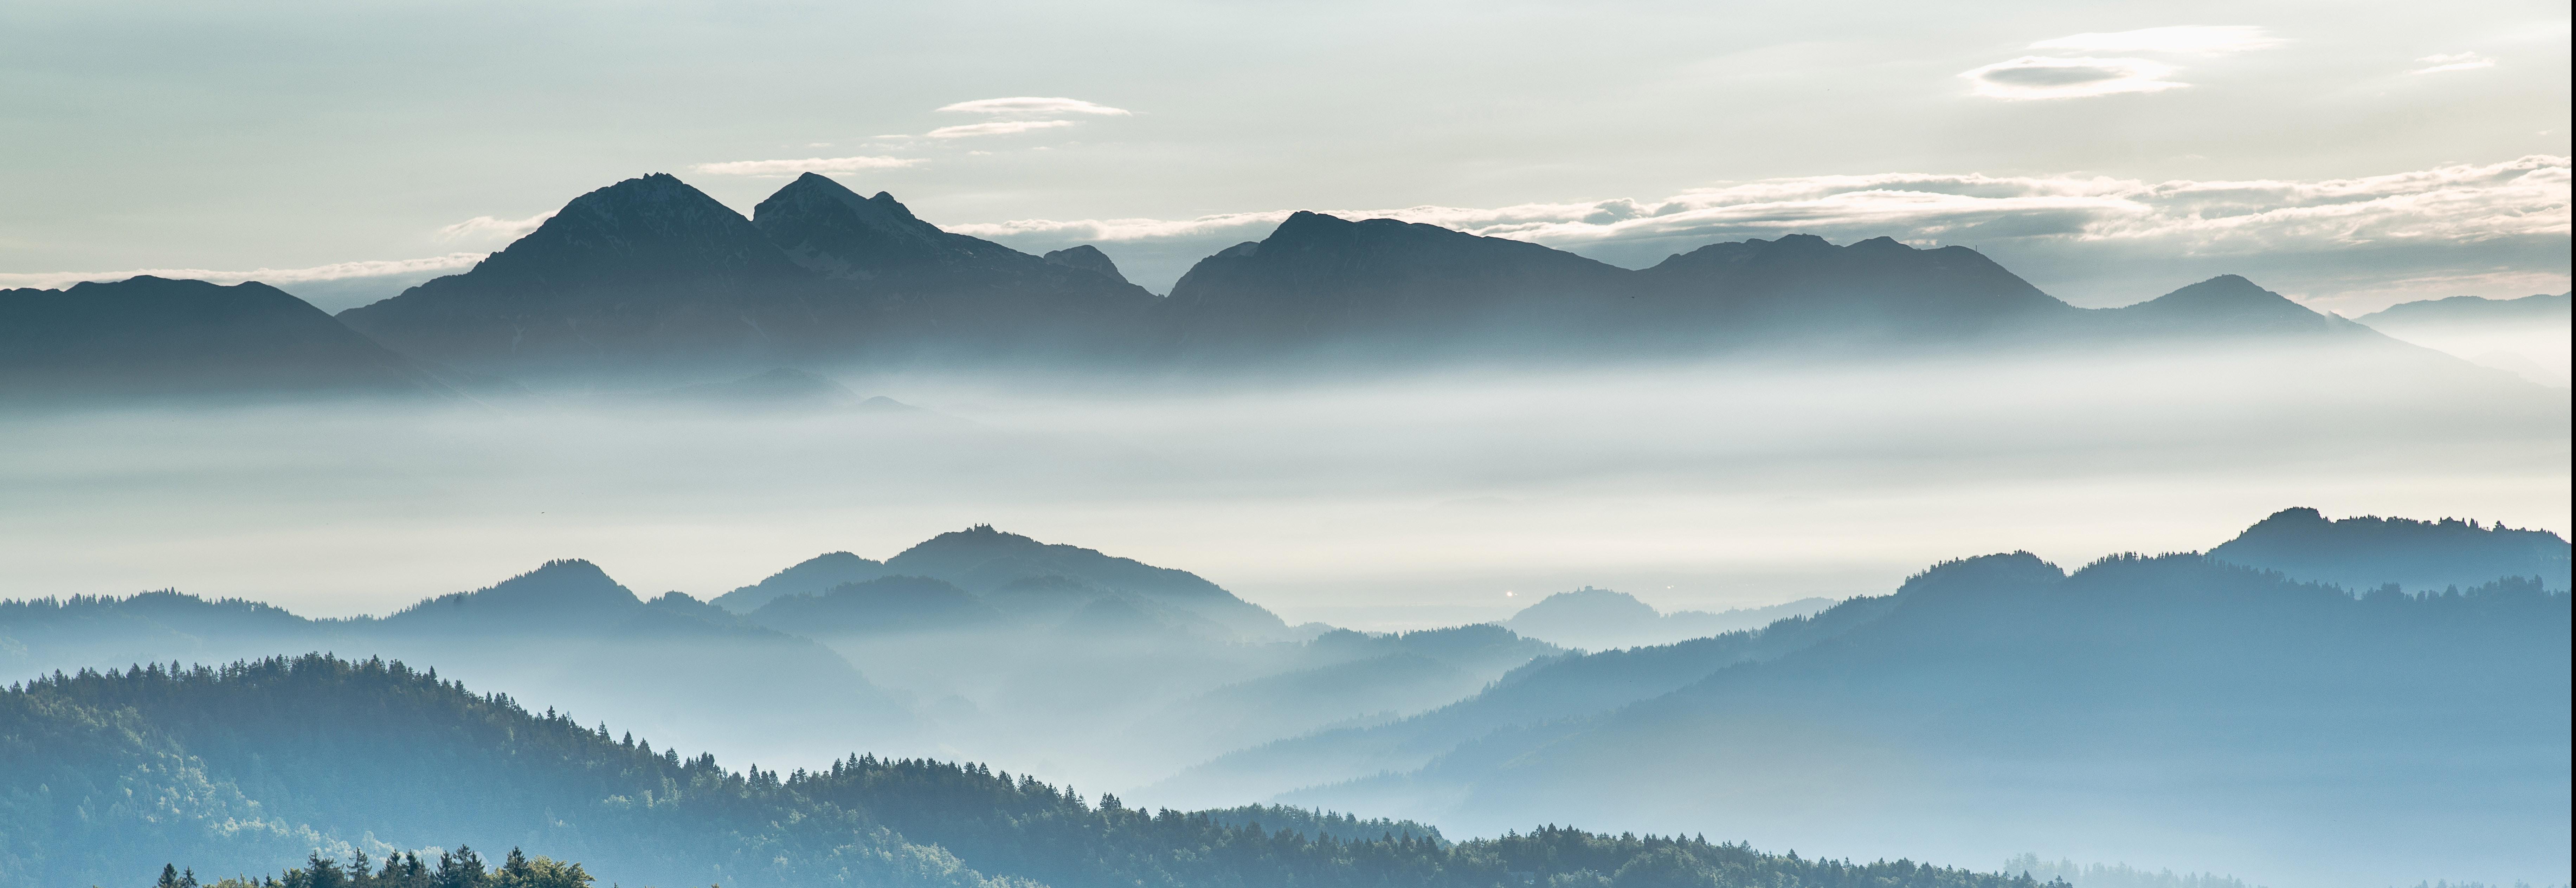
2448, 221
481, 227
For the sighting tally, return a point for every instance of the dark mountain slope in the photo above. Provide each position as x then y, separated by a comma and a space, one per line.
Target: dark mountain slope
933, 294
247, 767
1322, 281
1874, 291
2153, 708
2228, 306
2361, 554
647, 274
148, 336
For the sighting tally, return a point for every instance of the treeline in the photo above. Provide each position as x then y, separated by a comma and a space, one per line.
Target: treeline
106, 775
461, 868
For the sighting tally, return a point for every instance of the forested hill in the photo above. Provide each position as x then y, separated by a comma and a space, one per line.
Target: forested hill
105, 777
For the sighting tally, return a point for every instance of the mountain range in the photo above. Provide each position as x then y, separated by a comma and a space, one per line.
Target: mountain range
1602, 618
649, 282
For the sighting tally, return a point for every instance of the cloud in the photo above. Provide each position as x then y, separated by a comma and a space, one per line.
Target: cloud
1033, 106
334, 272
995, 128
2051, 77
493, 227
2195, 39
807, 165
2457, 61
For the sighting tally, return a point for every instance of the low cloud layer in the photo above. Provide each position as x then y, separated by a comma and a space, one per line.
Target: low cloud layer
374, 268
493, 227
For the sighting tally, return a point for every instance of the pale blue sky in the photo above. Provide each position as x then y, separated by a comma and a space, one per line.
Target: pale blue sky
2068, 140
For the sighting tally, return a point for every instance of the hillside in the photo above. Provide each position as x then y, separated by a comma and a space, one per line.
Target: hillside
2364, 553
155, 338
251, 767
2128, 700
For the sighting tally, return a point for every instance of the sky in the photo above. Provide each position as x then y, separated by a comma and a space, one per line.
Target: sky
2349, 155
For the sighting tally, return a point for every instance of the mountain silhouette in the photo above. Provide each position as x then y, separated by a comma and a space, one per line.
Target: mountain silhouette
645, 273
1320, 280
649, 283
2364, 553
2532, 310
152, 336
983, 559
931, 293
2229, 306
1876, 290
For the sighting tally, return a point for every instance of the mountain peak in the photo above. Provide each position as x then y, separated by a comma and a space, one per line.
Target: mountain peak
2230, 304
1087, 258
562, 588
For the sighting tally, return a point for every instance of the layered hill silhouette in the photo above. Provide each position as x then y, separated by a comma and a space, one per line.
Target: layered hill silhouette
2135, 700
649, 283
565, 631
1602, 618
252, 766
2539, 309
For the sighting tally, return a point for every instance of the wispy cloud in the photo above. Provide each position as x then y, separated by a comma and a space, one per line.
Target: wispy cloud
481, 227
333, 272
995, 128
807, 165
2051, 77
2457, 61
1033, 106
2194, 39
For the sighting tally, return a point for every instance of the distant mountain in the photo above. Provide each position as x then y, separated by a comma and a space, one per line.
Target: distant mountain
2361, 554
2172, 708
148, 336
644, 275
565, 632
1601, 619
2540, 309
1322, 281
2227, 306
1874, 291
983, 560
810, 576
252, 766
